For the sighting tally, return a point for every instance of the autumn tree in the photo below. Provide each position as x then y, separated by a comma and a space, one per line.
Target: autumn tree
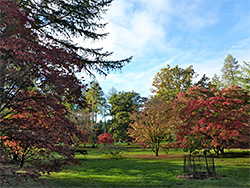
152, 125
212, 119
170, 81
121, 104
38, 77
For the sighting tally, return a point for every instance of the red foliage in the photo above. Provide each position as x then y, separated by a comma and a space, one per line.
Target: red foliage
213, 119
37, 79
105, 138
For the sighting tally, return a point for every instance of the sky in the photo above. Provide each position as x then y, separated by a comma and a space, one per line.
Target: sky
176, 32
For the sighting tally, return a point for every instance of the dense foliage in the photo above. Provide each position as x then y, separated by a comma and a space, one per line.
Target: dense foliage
121, 104
170, 81
211, 119
105, 138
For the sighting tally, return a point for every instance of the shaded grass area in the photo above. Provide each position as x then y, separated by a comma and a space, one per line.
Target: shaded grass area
148, 171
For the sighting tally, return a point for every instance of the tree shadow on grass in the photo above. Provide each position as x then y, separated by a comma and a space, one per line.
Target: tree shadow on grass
136, 173
233, 154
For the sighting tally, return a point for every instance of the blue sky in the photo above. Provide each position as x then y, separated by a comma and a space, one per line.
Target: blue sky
176, 32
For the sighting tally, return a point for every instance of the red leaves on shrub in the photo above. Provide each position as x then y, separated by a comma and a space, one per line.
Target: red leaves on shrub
105, 138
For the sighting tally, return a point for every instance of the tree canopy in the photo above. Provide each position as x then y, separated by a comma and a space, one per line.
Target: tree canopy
62, 20
170, 81
121, 104
153, 124
211, 119
244, 76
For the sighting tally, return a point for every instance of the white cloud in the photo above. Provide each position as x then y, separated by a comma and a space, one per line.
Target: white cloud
155, 31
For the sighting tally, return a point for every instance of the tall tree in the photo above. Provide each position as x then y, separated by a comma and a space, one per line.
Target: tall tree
75, 18
96, 100
152, 125
38, 76
230, 71
170, 81
95, 97
121, 104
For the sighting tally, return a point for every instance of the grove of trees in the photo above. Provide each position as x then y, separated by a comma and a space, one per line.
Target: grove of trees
213, 115
45, 109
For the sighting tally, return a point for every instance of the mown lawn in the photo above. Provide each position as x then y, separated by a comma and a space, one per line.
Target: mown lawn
140, 168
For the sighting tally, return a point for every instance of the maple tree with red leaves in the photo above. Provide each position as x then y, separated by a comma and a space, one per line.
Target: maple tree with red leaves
37, 80
108, 145
105, 138
211, 119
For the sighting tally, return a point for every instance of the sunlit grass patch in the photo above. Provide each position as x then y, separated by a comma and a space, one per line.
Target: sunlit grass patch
148, 171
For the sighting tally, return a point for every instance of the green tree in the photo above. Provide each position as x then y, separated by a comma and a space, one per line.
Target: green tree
216, 82
121, 104
170, 81
244, 76
96, 100
204, 82
230, 71
75, 18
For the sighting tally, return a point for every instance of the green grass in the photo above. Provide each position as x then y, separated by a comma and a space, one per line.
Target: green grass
132, 171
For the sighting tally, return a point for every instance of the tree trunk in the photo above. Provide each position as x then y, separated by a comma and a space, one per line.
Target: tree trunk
157, 151
15, 157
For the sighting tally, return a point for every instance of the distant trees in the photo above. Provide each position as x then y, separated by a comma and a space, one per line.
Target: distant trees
152, 125
121, 104
230, 71
233, 74
216, 82
243, 77
96, 100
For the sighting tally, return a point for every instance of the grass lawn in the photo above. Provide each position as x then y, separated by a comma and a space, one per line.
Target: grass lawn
140, 168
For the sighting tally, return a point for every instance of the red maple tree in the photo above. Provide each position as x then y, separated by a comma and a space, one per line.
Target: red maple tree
213, 119
37, 80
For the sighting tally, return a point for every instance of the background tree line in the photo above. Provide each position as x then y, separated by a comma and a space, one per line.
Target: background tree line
211, 115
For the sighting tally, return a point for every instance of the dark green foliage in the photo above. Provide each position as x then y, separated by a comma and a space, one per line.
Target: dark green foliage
95, 96
121, 104
74, 18
204, 82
